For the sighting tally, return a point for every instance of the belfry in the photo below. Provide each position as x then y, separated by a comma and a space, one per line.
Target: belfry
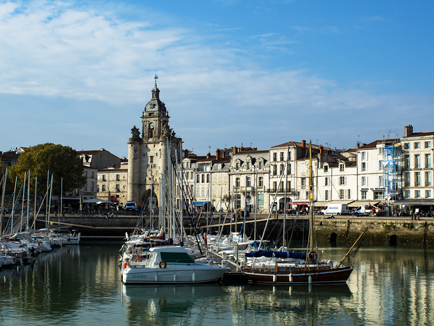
151, 151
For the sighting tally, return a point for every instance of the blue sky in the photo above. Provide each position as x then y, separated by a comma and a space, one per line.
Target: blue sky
231, 72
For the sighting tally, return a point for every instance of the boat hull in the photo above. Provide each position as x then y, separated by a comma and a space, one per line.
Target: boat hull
185, 274
333, 275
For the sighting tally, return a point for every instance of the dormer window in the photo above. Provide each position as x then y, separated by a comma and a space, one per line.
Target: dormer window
341, 167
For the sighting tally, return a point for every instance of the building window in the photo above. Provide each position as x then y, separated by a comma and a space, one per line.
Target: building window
407, 194
326, 195
282, 156
407, 161
378, 195
364, 181
417, 194
237, 165
380, 181
407, 180
92, 175
406, 145
349, 194
151, 160
427, 193
103, 177
237, 182
274, 157
117, 177
303, 182
103, 187
203, 178
326, 168
261, 181
364, 195
207, 178
326, 181
342, 181
289, 156
427, 160
380, 165
417, 179
428, 178
417, 161
427, 144
281, 186
118, 188
274, 185
274, 169
288, 185
341, 194
248, 182
416, 145
248, 165
92, 186
261, 164
282, 167
341, 167
363, 166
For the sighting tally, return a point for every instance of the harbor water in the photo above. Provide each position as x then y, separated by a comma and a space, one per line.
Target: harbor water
80, 285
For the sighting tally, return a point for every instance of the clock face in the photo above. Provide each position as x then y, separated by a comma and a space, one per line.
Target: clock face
151, 126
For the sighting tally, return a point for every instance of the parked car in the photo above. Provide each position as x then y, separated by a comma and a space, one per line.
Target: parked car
130, 206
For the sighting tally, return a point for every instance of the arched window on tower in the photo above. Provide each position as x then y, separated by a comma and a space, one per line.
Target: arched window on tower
151, 130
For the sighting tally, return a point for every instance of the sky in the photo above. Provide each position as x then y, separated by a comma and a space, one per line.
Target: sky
231, 72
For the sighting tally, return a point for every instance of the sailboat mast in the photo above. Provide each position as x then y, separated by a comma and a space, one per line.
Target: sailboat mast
311, 198
2, 213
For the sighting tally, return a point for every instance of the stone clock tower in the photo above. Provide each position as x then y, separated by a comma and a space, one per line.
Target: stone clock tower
150, 151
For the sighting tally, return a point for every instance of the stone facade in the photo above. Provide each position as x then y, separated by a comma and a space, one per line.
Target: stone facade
151, 151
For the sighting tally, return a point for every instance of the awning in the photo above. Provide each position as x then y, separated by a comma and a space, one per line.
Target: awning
200, 203
414, 202
96, 201
300, 203
325, 203
363, 202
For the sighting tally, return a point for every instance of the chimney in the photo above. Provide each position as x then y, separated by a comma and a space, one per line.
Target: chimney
321, 149
408, 130
208, 155
234, 149
217, 154
303, 148
358, 145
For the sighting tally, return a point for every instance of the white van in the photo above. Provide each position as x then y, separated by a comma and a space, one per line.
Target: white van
335, 209
363, 210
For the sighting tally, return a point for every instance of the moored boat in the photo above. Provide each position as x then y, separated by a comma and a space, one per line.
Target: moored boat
171, 265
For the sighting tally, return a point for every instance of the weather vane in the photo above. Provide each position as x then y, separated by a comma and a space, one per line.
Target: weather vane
155, 77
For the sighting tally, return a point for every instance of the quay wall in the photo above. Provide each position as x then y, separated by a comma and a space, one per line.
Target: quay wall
340, 231
384, 232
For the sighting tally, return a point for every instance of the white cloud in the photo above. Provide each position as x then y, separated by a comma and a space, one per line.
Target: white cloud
56, 50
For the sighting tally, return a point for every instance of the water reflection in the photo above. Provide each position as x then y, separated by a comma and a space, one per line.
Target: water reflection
75, 285
163, 304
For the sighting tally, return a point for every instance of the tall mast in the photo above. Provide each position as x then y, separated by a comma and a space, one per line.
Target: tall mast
311, 197
2, 213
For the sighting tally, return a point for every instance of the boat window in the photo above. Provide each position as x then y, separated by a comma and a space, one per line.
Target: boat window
176, 257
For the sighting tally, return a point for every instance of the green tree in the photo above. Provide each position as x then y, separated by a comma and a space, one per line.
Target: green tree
57, 160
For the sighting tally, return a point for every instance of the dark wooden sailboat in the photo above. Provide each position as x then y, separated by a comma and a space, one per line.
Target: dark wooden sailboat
308, 271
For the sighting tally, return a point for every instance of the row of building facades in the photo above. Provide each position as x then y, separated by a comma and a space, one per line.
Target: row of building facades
386, 171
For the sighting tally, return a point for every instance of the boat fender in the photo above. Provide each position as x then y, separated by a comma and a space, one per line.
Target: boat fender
138, 260
162, 264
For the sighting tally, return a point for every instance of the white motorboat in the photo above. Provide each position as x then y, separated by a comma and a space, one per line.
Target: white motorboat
171, 265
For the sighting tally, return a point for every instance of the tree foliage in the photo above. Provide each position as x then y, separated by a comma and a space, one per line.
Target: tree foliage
49, 159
